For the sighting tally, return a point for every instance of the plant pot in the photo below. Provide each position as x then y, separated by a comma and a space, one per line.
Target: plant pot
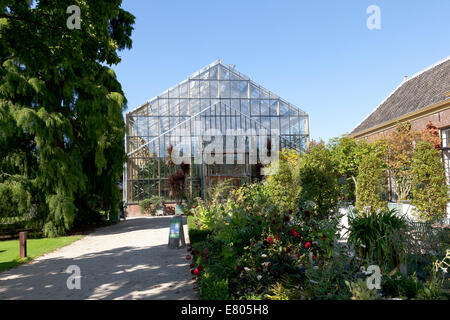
179, 209
159, 210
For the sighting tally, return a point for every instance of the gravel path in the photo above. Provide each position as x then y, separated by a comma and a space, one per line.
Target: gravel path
129, 260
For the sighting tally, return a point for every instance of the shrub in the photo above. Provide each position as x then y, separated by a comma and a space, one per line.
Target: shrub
146, 206
156, 201
430, 190
400, 285
213, 286
319, 179
371, 235
370, 184
282, 184
399, 158
220, 191
196, 235
360, 291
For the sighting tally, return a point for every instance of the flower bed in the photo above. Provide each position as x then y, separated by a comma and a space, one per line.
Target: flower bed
249, 248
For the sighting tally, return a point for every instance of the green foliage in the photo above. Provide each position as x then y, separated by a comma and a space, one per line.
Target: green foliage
16, 199
399, 158
149, 206
430, 190
328, 282
372, 236
344, 152
196, 235
360, 291
146, 206
347, 154
213, 287
238, 244
283, 184
319, 179
221, 190
62, 136
400, 285
285, 289
157, 201
433, 290
370, 183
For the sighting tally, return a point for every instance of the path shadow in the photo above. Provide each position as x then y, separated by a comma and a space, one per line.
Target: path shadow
138, 223
153, 272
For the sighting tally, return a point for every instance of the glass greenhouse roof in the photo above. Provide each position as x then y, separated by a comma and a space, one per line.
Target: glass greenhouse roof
215, 82
217, 98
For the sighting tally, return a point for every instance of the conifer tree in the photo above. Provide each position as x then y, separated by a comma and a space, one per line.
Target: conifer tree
61, 123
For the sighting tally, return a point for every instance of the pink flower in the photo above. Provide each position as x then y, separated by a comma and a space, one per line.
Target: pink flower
196, 272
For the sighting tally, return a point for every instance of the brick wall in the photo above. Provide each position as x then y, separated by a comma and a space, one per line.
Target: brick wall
440, 119
133, 210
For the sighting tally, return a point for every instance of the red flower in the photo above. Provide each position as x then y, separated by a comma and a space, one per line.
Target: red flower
270, 240
188, 257
196, 272
200, 268
307, 245
298, 255
294, 232
324, 237
277, 238
314, 257
193, 207
288, 249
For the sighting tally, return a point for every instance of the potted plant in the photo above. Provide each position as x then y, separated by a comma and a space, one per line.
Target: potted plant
146, 206
157, 203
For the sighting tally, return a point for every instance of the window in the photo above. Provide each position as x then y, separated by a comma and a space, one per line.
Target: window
445, 135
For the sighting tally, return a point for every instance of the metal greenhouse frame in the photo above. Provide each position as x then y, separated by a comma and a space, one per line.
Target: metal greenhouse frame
218, 97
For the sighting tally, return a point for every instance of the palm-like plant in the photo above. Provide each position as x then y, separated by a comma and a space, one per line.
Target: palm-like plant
374, 232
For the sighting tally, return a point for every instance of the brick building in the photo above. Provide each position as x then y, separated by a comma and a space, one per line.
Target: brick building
422, 98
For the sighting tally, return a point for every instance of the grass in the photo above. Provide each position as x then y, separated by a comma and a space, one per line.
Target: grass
10, 255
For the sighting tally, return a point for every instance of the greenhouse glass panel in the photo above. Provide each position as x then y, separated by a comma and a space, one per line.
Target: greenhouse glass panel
216, 97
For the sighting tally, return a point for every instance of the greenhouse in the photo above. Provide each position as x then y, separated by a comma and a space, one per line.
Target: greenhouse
189, 116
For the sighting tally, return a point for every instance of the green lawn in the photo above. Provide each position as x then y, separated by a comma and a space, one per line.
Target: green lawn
10, 255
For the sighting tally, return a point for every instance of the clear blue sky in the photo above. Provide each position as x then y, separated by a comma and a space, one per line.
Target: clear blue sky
318, 55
